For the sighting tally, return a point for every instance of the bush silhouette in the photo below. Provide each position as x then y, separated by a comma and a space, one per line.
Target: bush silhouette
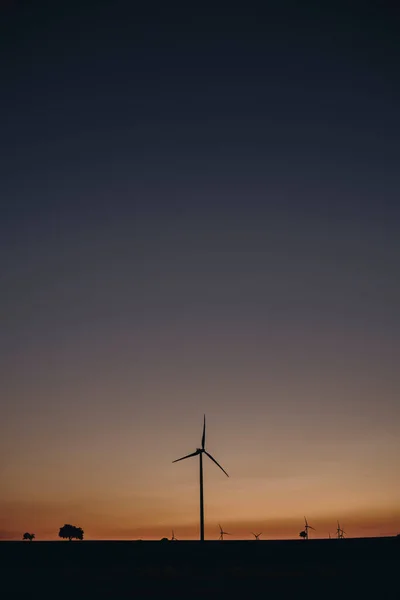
70, 531
28, 536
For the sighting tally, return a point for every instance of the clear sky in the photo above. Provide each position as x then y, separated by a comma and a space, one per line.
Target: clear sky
199, 214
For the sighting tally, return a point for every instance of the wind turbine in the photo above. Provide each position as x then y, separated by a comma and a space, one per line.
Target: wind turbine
340, 532
173, 538
257, 535
200, 452
304, 534
222, 533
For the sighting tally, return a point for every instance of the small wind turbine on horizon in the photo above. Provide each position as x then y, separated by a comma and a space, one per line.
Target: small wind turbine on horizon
257, 535
304, 534
340, 532
222, 533
200, 452
173, 538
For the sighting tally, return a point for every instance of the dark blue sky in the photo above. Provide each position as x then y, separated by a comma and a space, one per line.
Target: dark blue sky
199, 212
107, 99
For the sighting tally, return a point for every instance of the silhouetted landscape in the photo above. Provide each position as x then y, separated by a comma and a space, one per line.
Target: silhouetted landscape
325, 568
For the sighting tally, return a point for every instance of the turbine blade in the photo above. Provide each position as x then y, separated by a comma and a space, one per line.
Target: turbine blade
187, 456
203, 439
218, 465
220, 528
309, 526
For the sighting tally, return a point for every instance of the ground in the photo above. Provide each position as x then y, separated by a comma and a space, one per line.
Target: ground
349, 568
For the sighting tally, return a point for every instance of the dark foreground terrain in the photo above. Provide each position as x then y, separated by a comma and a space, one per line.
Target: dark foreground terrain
349, 568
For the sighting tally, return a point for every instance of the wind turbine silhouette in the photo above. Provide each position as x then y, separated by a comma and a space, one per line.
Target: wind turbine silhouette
200, 452
257, 535
304, 534
222, 533
173, 538
340, 532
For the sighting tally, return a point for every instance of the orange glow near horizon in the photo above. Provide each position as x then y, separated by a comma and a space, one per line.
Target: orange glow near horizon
116, 485
356, 526
275, 505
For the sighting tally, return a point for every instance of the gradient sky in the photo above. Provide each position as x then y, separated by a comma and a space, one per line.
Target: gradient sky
199, 214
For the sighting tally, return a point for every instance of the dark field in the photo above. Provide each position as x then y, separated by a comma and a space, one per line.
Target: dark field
350, 568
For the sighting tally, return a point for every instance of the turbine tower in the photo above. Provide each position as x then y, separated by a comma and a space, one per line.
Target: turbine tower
222, 533
257, 535
173, 538
200, 452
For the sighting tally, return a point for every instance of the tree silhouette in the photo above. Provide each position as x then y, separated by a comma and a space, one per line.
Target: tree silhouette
70, 531
28, 536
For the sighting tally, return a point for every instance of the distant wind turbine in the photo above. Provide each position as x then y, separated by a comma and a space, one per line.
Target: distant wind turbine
222, 533
340, 532
200, 452
304, 534
173, 538
257, 535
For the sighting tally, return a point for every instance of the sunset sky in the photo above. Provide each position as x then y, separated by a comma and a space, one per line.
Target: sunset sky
199, 214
